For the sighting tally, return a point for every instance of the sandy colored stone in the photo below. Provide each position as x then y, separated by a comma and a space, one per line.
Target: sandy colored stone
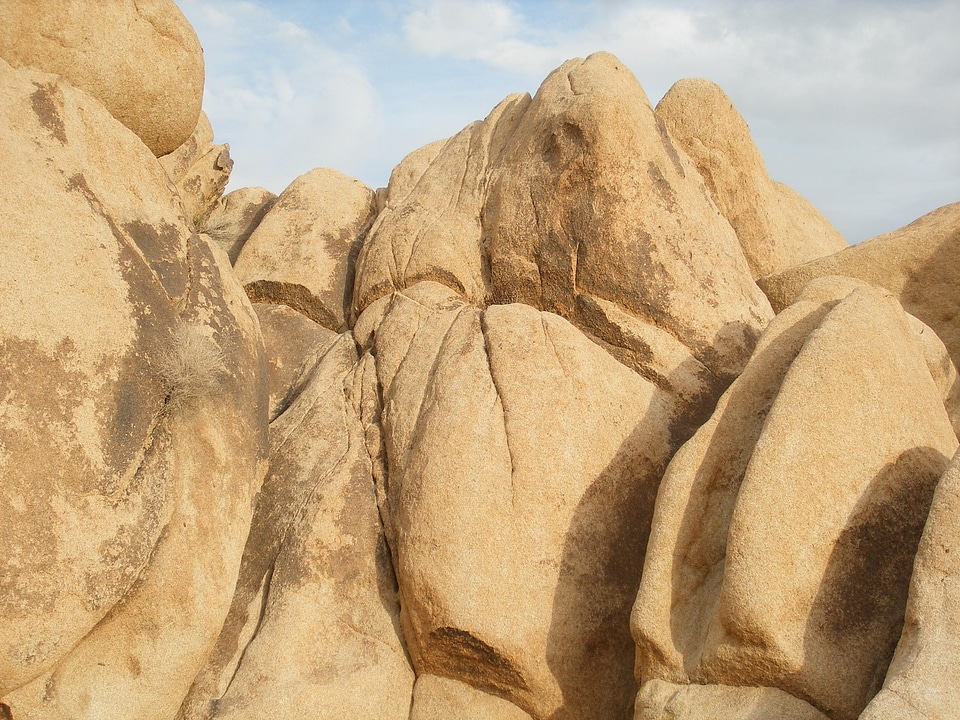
303, 251
917, 263
922, 680
235, 217
591, 196
208, 451
523, 464
440, 698
408, 171
92, 263
294, 345
313, 625
140, 58
432, 231
200, 170
659, 700
777, 228
786, 528
328, 643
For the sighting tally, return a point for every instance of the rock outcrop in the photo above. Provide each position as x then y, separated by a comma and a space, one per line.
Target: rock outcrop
776, 227
517, 437
133, 426
139, 58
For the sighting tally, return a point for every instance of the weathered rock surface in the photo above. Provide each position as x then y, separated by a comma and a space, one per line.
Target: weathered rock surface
314, 629
440, 698
523, 464
134, 426
235, 216
294, 345
303, 250
659, 700
923, 679
780, 557
917, 263
200, 170
592, 197
139, 58
776, 227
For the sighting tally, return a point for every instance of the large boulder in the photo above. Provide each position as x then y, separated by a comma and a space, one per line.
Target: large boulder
235, 216
303, 251
591, 198
522, 462
786, 528
659, 700
917, 263
139, 58
776, 227
923, 678
134, 422
313, 630
440, 698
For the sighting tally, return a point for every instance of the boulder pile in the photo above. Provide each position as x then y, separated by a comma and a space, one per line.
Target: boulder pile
583, 417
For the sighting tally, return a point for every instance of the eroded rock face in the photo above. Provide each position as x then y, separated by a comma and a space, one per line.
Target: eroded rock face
200, 170
138, 439
922, 679
917, 263
780, 557
235, 217
776, 227
139, 58
659, 700
303, 250
517, 585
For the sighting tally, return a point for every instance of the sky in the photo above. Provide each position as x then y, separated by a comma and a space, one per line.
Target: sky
853, 103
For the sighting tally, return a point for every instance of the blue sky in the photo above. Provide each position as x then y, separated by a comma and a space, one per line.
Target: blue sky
854, 103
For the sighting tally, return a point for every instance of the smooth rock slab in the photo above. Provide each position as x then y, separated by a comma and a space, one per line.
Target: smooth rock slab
140, 58
781, 556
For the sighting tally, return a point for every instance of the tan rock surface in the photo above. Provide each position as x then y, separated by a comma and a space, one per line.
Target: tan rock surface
207, 451
91, 260
432, 231
591, 196
728, 594
440, 698
523, 463
328, 643
313, 625
659, 700
140, 58
917, 263
236, 215
200, 170
923, 678
294, 345
776, 227
303, 251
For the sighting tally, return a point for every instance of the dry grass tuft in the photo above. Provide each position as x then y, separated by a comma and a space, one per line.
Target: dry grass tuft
193, 366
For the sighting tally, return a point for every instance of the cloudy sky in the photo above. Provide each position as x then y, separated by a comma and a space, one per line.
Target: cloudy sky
855, 103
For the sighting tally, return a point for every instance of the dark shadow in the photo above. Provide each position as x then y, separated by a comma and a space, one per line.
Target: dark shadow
859, 609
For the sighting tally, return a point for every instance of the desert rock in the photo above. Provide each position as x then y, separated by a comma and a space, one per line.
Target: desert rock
776, 227
140, 58
917, 263
729, 595
303, 251
922, 680
235, 216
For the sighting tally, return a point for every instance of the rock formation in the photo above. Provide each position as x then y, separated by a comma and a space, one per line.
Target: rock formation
518, 437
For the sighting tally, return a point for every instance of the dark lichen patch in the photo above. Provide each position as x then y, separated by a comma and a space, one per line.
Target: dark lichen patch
46, 101
163, 247
460, 654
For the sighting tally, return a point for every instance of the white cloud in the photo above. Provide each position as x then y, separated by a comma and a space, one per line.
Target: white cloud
484, 30
285, 100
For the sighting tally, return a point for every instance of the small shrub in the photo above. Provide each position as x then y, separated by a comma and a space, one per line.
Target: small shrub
192, 367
